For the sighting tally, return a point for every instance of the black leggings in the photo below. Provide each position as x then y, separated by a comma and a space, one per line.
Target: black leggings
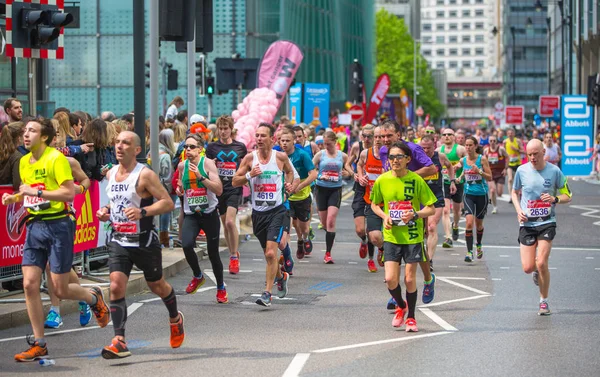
211, 226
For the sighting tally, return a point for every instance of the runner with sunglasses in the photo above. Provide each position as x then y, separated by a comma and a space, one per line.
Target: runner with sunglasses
498, 160
402, 193
454, 197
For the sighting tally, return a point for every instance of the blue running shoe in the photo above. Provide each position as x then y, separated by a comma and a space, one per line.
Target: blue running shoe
264, 299
53, 320
429, 290
391, 305
85, 313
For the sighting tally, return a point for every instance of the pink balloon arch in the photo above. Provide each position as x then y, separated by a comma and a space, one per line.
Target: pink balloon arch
260, 105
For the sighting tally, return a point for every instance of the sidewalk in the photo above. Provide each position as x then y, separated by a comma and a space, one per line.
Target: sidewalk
13, 314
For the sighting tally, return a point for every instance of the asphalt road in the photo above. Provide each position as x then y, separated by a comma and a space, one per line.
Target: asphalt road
483, 321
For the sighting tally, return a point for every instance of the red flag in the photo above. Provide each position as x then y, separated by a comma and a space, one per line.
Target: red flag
379, 92
364, 103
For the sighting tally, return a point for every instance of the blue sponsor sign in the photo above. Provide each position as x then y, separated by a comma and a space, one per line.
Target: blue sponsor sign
295, 94
576, 136
316, 104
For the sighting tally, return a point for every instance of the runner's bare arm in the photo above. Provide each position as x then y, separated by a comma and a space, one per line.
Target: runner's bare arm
79, 176
65, 193
486, 171
312, 175
317, 159
239, 179
360, 169
149, 182
287, 168
213, 183
314, 147
346, 167
461, 151
446, 162
353, 156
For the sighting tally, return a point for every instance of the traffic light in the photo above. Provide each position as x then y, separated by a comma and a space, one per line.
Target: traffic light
200, 83
147, 74
203, 19
37, 26
172, 76
210, 86
593, 92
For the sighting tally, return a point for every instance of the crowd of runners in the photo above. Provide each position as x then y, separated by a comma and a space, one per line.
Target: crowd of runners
405, 181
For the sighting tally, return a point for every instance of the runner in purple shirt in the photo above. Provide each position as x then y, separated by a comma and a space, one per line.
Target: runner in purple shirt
421, 164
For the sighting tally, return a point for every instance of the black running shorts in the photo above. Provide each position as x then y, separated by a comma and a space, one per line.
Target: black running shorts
476, 205
228, 199
270, 225
328, 197
413, 253
458, 195
529, 235
374, 222
358, 204
146, 258
301, 209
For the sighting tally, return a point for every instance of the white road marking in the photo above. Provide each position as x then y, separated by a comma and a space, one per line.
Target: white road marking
453, 301
304, 261
463, 286
505, 268
597, 269
131, 309
296, 365
53, 333
204, 289
276, 298
437, 319
504, 256
352, 262
459, 278
593, 212
455, 254
496, 279
452, 266
211, 276
244, 271
377, 342
552, 268
589, 257
258, 260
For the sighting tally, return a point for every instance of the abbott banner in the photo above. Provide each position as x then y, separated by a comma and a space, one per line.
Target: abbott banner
576, 136
87, 228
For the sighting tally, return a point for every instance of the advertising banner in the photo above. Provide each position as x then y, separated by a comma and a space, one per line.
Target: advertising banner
379, 92
576, 136
548, 104
514, 114
295, 94
316, 104
88, 229
278, 67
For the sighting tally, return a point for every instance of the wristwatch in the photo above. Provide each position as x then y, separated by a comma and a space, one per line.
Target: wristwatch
39, 193
415, 215
556, 200
143, 212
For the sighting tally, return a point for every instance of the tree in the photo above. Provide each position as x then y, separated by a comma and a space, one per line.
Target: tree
394, 56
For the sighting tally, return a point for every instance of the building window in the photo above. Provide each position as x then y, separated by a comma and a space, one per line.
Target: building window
439, 65
479, 12
452, 39
453, 26
440, 14
479, 25
479, 38
453, 52
452, 14
466, 13
479, 63
440, 52
426, 52
427, 39
466, 51
452, 64
466, 26
439, 27
479, 51
466, 64
466, 38
478, 1
440, 2
426, 27
452, 2
466, 1
439, 39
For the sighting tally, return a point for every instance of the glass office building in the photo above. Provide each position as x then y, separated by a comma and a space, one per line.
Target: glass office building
97, 72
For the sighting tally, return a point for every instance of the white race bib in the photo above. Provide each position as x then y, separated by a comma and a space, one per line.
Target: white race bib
226, 169
35, 203
396, 209
538, 209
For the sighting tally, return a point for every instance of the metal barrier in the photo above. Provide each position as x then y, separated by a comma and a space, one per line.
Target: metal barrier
10, 273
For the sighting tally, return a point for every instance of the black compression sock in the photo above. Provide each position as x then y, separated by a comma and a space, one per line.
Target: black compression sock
118, 314
371, 249
411, 299
364, 239
479, 236
171, 304
397, 295
469, 238
329, 238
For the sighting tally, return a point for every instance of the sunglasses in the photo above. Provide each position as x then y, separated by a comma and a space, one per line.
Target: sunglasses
190, 146
429, 132
447, 134
493, 141
397, 156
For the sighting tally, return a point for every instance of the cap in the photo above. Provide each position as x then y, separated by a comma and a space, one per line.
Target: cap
198, 128
319, 139
197, 119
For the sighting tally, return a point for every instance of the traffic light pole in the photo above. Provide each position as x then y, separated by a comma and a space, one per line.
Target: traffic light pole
191, 77
163, 91
32, 95
154, 63
139, 80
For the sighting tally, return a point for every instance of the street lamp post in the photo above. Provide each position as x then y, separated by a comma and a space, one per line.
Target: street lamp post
514, 66
548, 23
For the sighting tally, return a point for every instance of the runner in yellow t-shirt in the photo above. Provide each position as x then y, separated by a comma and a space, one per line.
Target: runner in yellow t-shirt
514, 148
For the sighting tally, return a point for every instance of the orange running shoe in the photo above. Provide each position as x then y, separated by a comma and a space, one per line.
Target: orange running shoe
222, 296
234, 264
116, 350
101, 311
371, 266
327, 259
35, 352
177, 333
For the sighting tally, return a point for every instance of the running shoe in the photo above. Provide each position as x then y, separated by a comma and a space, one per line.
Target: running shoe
363, 250
455, 234
510, 200
469, 257
535, 277
202, 234
311, 234
85, 313
429, 290
300, 250
320, 226
494, 210
479, 251
411, 325
308, 247
101, 311
116, 350
392, 304
177, 332
222, 296
327, 259
371, 266
234, 264
380, 261
544, 308
398, 320
447, 244
264, 299
33, 353
53, 320
282, 285
194, 284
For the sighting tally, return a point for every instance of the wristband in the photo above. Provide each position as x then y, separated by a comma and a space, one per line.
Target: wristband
81, 189
248, 176
556, 200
